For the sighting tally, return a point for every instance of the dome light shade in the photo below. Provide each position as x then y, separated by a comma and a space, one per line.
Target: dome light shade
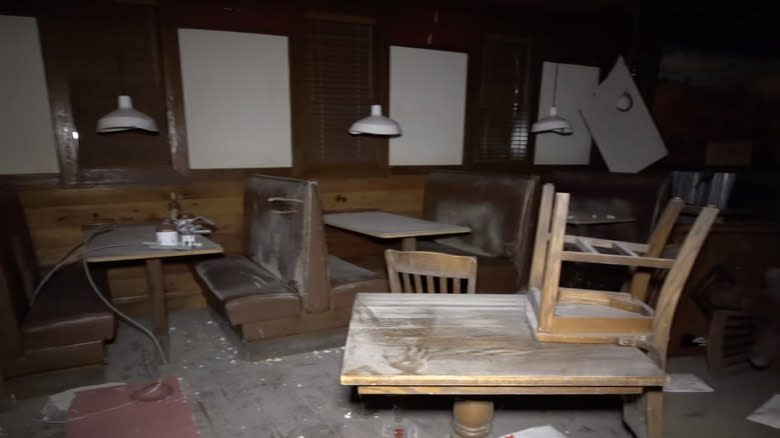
126, 118
552, 123
376, 124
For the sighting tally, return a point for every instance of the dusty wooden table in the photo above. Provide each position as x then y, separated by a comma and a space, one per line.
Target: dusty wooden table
391, 226
126, 242
481, 345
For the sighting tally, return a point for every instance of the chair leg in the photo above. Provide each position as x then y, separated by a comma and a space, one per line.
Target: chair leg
644, 413
472, 418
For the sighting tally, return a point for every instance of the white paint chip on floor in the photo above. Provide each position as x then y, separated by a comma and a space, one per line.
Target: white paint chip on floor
686, 382
536, 432
769, 413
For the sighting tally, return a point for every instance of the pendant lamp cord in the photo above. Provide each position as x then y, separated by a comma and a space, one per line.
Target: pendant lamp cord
119, 64
555, 85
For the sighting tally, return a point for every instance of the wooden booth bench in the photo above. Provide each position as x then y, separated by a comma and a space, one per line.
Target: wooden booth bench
286, 282
64, 325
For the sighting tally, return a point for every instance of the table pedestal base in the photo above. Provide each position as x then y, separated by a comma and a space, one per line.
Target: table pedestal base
154, 274
472, 418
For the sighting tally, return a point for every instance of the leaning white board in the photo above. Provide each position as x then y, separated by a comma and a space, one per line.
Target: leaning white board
575, 84
628, 140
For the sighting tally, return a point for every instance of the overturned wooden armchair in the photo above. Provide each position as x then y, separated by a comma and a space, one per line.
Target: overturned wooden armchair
286, 283
561, 314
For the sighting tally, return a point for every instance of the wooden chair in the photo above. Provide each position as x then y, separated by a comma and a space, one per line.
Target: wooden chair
560, 314
430, 272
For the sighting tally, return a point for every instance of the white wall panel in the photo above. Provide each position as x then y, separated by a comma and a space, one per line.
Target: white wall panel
575, 84
27, 144
428, 99
236, 99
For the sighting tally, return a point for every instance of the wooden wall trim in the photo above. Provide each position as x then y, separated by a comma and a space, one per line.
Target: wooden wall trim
174, 94
31, 179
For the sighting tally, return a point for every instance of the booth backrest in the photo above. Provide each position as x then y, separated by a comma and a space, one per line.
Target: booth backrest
497, 208
641, 196
285, 235
13, 308
18, 271
16, 241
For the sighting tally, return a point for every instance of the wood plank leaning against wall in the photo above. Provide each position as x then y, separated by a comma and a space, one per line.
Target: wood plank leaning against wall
56, 217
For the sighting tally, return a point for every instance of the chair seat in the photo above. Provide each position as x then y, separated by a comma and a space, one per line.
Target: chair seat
67, 311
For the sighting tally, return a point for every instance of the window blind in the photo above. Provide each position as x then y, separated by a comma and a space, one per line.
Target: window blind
339, 84
504, 103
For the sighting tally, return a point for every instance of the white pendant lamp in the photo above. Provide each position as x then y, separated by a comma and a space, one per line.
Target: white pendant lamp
376, 124
126, 118
553, 122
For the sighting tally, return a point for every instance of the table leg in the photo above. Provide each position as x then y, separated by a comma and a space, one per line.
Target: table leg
472, 418
159, 307
409, 243
644, 414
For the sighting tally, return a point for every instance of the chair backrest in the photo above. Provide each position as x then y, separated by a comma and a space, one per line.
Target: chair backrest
430, 272
285, 235
498, 208
674, 282
542, 237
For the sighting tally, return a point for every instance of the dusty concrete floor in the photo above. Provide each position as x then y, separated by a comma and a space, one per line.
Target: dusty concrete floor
289, 388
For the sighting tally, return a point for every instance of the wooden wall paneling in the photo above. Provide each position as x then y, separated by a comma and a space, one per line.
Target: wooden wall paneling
174, 93
269, 16
402, 194
433, 28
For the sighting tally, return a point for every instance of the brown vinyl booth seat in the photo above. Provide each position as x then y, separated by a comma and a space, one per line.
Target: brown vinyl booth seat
66, 325
641, 196
286, 283
499, 209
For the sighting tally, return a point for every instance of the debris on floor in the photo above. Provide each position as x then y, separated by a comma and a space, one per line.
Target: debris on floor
769, 413
399, 429
536, 432
686, 382
57, 406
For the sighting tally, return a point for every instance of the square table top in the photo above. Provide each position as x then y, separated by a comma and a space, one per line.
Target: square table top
388, 225
422, 340
586, 218
127, 242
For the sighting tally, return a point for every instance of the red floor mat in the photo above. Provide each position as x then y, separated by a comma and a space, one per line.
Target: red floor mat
118, 412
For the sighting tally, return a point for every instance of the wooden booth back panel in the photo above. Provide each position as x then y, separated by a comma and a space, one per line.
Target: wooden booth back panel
56, 217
